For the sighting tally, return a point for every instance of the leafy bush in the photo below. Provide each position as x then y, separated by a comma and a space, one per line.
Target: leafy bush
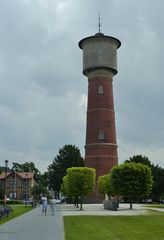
11, 202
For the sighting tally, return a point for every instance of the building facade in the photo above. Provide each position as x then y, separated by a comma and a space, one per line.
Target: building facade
18, 185
99, 66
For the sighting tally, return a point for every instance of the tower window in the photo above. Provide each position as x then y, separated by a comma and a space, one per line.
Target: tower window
101, 135
100, 90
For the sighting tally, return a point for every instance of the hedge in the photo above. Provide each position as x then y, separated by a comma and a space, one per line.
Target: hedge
11, 202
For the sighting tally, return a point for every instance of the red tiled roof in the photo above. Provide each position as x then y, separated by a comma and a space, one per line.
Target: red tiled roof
20, 174
25, 174
2, 175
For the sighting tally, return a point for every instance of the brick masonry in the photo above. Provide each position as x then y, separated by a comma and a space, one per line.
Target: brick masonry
100, 154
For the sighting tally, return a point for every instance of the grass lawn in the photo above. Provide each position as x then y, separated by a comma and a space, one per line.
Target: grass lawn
155, 205
17, 211
145, 227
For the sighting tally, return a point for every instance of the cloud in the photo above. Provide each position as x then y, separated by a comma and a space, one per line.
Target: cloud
43, 92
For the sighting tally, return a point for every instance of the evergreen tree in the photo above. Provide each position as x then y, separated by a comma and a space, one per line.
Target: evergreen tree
68, 156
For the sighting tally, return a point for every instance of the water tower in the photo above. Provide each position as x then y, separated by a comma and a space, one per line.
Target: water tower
100, 66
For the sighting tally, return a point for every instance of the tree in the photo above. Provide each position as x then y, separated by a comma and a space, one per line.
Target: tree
140, 159
41, 179
1, 191
157, 193
79, 182
69, 156
104, 185
1, 188
37, 190
132, 181
158, 186
25, 167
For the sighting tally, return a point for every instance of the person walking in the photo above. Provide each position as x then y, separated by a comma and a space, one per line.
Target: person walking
53, 206
44, 205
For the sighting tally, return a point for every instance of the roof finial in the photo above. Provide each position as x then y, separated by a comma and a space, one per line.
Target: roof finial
99, 24
99, 28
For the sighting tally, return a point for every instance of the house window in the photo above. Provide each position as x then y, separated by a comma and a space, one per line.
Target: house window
13, 195
100, 90
26, 195
13, 183
25, 182
101, 135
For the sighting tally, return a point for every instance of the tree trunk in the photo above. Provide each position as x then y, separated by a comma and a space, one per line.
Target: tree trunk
76, 202
131, 204
118, 201
81, 203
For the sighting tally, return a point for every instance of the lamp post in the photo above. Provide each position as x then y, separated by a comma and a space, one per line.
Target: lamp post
5, 184
14, 185
26, 188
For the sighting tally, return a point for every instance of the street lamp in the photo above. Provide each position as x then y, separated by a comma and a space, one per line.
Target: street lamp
26, 187
6, 165
14, 186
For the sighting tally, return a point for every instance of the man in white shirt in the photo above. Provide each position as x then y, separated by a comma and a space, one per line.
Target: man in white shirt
52, 206
44, 205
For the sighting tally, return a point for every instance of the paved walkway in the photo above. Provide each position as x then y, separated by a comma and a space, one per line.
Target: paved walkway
34, 226
98, 209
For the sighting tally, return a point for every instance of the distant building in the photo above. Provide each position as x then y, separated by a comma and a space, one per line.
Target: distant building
18, 184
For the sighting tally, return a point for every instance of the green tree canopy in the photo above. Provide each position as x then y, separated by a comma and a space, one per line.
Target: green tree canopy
131, 180
2, 191
104, 185
158, 185
68, 156
37, 190
157, 193
42, 180
140, 159
79, 182
25, 167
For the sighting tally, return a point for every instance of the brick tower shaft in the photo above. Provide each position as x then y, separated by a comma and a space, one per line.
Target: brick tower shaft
101, 147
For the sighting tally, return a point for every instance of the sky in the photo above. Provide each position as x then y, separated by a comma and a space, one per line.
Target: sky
43, 93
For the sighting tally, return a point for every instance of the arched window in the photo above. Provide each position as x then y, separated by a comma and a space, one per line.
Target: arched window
101, 135
100, 90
